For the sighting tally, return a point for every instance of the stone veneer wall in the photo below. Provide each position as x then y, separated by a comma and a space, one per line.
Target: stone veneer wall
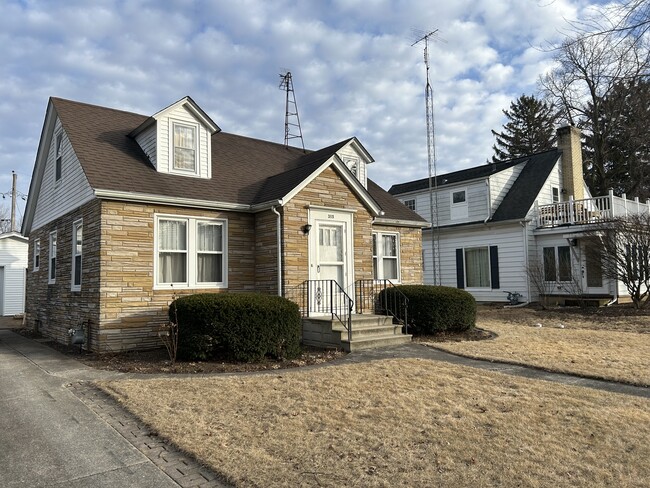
266, 252
53, 309
327, 190
131, 311
410, 241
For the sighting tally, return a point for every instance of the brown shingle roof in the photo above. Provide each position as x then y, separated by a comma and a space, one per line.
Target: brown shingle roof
244, 170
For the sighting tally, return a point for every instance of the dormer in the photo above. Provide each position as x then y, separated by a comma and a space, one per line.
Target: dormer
356, 158
177, 140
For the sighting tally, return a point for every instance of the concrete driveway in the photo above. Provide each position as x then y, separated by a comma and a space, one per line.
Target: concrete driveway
48, 437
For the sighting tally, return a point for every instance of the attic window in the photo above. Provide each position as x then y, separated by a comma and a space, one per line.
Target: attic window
184, 148
410, 204
57, 162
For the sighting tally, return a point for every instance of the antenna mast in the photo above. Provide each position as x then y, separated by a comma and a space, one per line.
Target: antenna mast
431, 157
292, 130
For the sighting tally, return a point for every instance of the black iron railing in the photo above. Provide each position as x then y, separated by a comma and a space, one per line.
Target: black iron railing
325, 297
382, 297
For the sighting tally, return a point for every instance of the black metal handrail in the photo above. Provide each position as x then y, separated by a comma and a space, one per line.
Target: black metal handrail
382, 297
323, 297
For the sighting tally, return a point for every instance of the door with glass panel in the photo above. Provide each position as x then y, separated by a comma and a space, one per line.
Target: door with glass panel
330, 255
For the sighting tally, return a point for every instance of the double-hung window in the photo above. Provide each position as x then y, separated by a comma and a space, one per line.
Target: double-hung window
77, 246
190, 252
385, 256
459, 209
58, 157
51, 277
477, 267
410, 204
37, 254
184, 145
557, 263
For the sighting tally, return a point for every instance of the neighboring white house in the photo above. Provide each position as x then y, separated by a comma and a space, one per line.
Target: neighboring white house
497, 221
13, 267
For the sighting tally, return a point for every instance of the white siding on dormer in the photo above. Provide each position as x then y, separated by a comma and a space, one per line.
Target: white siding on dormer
56, 198
501, 182
147, 141
164, 154
349, 156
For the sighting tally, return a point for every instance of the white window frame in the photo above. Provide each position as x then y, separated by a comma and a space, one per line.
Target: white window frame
172, 153
191, 253
379, 257
37, 255
458, 210
77, 224
558, 264
555, 194
466, 268
58, 157
51, 270
410, 204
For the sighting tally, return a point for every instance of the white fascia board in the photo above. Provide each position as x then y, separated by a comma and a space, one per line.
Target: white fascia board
358, 147
179, 202
39, 167
402, 223
14, 235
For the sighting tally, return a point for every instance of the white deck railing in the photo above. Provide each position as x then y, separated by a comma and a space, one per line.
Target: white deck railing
589, 210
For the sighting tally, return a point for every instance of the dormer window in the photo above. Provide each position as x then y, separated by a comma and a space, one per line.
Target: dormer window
184, 147
58, 157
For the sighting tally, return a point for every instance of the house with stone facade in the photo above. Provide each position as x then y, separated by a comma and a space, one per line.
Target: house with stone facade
526, 226
127, 210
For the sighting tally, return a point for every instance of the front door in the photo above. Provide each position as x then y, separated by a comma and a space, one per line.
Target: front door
594, 283
330, 258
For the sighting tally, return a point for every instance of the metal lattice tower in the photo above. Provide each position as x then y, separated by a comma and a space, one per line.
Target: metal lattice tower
431, 159
292, 128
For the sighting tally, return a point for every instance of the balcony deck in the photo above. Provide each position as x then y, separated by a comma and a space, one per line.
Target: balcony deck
588, 211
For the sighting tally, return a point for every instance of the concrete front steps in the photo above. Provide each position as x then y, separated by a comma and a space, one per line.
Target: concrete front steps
368, 332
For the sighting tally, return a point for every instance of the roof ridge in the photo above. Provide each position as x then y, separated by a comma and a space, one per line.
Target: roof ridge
94, 105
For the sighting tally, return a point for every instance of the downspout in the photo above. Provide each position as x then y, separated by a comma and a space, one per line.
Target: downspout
524, 225
279, 244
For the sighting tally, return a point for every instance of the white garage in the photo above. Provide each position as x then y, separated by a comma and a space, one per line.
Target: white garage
13, 269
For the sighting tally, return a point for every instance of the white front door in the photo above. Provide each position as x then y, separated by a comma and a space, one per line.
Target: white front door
331, 258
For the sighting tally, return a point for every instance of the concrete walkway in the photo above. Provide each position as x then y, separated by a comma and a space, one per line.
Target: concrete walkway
57, 430
50, 438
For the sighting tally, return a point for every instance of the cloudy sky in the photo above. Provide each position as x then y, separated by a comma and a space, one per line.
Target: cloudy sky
355, 72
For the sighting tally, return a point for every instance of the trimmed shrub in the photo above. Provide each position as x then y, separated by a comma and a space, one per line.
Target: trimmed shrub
243, 327
436, 308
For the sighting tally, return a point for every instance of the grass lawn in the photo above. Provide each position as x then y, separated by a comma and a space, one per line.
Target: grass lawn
614, 348
398, 422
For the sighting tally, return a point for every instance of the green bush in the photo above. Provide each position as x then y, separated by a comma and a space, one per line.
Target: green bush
434, 309
243, 327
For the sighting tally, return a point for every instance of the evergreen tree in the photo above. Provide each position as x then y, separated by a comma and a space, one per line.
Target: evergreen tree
530, 129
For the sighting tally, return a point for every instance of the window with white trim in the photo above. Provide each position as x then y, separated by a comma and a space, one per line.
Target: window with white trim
477, 267
385, 256
555, 192
410, 204
184, 147
190, 252
77, 246
51, 276
58, 157
37, 254
459, 209
557, 263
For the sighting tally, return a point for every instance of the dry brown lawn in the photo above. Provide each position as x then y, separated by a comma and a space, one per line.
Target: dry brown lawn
398, 422
609, 347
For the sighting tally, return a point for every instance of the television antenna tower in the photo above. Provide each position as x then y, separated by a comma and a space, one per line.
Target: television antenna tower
424, 36
292, 128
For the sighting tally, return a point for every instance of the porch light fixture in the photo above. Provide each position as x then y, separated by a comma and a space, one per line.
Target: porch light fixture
306, 228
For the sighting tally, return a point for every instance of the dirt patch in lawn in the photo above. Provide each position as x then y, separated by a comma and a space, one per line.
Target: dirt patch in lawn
399, 422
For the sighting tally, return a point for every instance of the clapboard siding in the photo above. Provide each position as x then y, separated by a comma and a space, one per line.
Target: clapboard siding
512, 261
347, 153
164, 124
501, 182
148, 142
13, 258
56, 198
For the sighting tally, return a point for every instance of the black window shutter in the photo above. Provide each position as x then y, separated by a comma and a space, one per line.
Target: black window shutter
460, 270
494, 266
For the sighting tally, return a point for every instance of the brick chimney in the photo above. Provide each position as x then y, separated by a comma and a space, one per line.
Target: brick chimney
568, 141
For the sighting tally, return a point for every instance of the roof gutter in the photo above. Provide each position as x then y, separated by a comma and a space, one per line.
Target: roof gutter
181, 202
401, 223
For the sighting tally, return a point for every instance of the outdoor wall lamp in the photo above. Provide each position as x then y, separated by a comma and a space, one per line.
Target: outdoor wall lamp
306, 228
